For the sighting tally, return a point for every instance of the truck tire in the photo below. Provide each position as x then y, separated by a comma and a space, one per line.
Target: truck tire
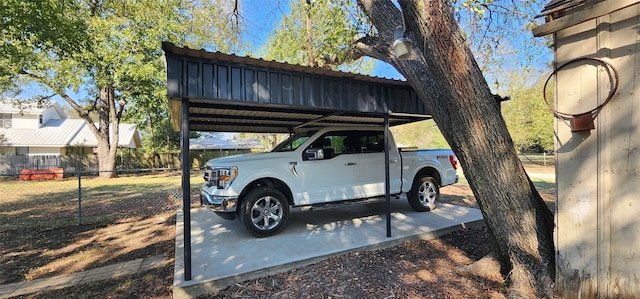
424, 194
264, 211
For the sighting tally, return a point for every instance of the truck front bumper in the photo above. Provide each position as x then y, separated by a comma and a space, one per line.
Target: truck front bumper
219, 204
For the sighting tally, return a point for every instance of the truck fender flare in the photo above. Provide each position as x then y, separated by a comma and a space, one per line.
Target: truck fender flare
428, 170
269, 182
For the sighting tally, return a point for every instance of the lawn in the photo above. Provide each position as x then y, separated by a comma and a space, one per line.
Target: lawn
45, 231
133, 217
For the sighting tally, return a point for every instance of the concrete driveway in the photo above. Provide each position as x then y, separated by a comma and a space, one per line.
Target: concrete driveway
223, 253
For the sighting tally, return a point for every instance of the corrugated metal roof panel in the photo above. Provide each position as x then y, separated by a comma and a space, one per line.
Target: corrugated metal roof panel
127, 137
55, 132
271, 64
64, 132
560, 7
229, 93
562, 14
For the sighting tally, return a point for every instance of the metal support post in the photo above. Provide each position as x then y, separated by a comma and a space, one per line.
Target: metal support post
186, 188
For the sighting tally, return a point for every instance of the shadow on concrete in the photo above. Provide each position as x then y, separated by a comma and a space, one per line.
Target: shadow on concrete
223, 253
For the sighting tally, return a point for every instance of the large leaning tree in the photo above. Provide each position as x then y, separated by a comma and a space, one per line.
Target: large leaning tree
103, 57
444, 74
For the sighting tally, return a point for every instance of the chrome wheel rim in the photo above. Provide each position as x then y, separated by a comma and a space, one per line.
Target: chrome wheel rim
427, 194
266, 213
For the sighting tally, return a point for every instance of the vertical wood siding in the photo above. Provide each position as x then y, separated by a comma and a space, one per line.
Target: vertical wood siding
598, 182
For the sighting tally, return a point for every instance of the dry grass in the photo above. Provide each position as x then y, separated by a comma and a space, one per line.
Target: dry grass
134, 217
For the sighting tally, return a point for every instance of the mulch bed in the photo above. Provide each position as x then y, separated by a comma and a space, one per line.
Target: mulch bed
418, 269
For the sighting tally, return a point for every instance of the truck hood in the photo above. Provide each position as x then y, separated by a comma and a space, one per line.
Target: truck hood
236, 160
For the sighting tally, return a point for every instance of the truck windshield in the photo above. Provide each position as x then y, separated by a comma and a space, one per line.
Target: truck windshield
294, 141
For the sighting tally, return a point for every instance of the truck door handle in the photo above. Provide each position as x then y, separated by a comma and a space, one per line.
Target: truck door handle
292, 167
349, 163
393, 161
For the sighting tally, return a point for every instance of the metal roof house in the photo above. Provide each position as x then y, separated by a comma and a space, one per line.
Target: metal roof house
597, 129
30, 129
204, 149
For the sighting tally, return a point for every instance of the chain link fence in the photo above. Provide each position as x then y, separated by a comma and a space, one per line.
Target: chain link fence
73, 221
11, 165
82, 197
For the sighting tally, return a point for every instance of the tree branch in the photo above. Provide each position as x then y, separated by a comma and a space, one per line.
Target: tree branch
120, 109
387, 18
375, 47
83, 113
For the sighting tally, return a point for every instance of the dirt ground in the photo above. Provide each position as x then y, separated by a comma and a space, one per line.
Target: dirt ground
419, 269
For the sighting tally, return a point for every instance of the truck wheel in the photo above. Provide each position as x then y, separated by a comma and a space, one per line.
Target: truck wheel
424, 194
264, 211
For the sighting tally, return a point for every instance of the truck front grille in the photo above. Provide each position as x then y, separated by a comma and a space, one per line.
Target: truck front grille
211, 176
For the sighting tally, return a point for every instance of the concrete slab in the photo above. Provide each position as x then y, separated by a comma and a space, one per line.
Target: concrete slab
223, 253
68, 280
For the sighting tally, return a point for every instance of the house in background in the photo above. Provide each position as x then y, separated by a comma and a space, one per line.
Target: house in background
37, 131
204, 149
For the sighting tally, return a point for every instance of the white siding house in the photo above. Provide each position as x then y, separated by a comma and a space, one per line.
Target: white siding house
36, 130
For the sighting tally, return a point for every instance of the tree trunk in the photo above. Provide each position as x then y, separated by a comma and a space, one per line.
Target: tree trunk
445, 76
107, 135
311, 58
151, 139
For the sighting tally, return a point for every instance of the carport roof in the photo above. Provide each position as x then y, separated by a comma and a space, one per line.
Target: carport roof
229, 93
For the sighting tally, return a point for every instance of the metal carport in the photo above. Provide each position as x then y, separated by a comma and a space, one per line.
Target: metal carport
217, 92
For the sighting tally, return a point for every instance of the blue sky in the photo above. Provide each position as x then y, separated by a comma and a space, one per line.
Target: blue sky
260, 18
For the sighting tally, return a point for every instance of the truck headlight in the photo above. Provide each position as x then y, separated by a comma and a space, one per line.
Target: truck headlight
221, 177
226, 176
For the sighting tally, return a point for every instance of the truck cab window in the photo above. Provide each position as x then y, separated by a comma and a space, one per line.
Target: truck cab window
294, 141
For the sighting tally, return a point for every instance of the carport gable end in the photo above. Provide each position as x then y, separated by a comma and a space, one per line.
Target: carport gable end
229, 93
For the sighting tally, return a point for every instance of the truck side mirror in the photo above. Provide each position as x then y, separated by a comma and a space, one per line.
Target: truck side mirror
313, 154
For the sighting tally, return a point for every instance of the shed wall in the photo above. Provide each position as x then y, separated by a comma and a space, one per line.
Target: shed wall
598, 206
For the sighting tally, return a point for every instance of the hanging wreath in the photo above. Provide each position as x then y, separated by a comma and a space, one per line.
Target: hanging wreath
583, 121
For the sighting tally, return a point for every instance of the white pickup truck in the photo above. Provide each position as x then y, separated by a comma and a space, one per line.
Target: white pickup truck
322, 167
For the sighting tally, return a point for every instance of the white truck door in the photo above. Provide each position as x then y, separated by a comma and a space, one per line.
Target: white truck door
373, 170
335, 177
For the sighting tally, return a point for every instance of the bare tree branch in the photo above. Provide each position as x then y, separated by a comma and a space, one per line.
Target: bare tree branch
82, 112
375, 47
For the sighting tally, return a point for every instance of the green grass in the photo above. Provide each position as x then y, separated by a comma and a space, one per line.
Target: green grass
54, 203
544, 183
41, 222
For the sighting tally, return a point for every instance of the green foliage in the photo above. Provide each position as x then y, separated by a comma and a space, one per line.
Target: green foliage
64, 46
334, 27
423, 134
32, 31
477, 7
165, 139
529, 120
